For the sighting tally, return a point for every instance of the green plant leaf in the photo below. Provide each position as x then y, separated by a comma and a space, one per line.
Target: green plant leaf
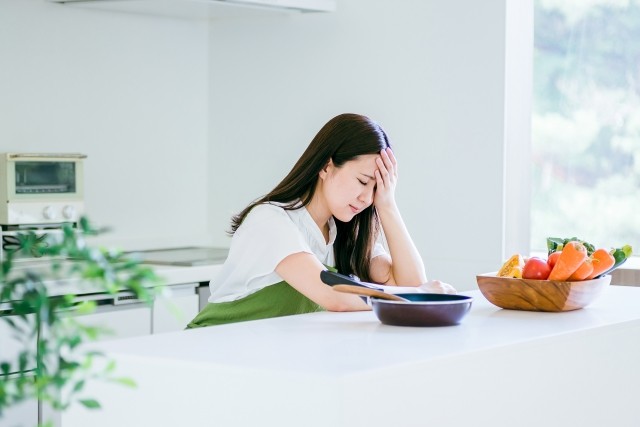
23, 360
5, 368
58, 363
79, 386
86, 307
90, 403
129, 382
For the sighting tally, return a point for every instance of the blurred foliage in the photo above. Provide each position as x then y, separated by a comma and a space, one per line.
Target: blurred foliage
586, 121
53, 365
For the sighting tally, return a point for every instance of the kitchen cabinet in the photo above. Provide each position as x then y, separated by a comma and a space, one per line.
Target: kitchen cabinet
131, 321
168, 313
124, 317
10, 345
135, 319
172, 311
24, 414
205, 9
120, 321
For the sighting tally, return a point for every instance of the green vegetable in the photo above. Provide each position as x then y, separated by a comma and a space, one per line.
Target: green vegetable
555, 244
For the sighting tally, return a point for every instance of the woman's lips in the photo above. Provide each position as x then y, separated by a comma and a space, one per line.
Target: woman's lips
354, 209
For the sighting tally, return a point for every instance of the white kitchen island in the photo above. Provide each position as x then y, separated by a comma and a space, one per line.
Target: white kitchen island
497, 368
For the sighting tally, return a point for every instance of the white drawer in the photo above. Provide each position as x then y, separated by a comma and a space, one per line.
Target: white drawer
123, 321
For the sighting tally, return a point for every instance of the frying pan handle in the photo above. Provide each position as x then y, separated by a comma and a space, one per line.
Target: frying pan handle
331, 279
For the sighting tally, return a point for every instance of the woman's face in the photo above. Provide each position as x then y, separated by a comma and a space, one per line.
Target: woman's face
349, 189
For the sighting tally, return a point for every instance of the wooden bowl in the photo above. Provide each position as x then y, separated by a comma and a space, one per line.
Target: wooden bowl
540, 295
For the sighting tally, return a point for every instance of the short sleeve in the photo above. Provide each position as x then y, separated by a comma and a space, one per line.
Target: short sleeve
266, 237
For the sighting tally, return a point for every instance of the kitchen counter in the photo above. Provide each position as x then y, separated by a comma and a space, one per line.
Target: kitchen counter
499, 367
174, 275
170, 275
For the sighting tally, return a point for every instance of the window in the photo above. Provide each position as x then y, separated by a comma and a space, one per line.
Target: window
586, 122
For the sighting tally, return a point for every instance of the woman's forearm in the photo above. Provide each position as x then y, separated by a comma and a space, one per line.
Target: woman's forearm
302, 272
406, 267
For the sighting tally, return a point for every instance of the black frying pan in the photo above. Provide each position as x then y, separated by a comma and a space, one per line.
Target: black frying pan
407, 309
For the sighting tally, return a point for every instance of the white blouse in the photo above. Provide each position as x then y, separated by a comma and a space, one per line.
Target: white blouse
269, 234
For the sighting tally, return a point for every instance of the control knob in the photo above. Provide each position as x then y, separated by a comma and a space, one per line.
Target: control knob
69, 212
49, 213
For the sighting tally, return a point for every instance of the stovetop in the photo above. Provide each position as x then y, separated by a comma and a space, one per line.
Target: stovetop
186, 256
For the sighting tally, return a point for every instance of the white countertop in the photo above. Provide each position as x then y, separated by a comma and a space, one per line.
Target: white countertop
176, 275
498, 367
329, 343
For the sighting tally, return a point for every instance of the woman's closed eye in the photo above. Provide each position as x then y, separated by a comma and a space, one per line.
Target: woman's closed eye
362, 182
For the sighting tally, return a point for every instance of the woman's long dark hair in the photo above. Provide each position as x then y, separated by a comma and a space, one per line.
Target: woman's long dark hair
342, 139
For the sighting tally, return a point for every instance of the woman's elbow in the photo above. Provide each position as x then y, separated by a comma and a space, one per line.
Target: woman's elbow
338, 307
350, 303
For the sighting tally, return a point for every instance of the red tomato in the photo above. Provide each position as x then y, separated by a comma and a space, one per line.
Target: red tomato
536, 268
553, 258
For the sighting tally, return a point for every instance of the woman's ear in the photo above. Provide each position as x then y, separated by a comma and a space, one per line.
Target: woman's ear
325, 170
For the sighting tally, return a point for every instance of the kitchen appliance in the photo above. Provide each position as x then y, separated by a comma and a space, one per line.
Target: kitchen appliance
40, 236
186, 256
41, 188
410, 309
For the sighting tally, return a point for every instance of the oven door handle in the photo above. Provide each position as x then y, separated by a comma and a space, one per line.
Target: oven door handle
107, 300
47, 155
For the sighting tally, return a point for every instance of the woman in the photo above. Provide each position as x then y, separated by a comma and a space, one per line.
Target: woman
328, 212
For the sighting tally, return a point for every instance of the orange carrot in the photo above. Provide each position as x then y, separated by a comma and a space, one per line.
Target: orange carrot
585, 269
572, 256
602, 261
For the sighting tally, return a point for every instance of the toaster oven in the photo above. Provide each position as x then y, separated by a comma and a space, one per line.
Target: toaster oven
41, 188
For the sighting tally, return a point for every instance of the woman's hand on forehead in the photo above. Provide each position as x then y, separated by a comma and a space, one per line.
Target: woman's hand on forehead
386, 178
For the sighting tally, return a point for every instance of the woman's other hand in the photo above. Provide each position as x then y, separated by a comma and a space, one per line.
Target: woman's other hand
438, 287
386, 179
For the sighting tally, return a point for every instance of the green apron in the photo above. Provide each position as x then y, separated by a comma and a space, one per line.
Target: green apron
275, 300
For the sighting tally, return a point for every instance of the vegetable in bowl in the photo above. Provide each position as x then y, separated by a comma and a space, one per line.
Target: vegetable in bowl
570, 260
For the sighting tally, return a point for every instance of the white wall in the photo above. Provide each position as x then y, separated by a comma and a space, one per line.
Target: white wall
133, 92
130, 91
431, 73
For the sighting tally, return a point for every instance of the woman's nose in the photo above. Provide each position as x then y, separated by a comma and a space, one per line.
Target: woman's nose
366, 196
